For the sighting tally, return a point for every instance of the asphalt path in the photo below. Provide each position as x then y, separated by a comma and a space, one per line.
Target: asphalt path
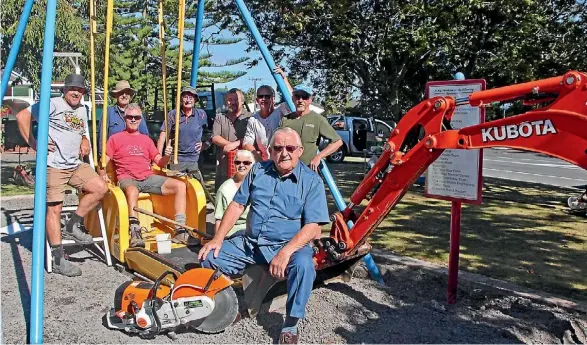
532, 167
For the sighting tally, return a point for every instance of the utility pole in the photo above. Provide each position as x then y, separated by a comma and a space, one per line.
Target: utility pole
255, 88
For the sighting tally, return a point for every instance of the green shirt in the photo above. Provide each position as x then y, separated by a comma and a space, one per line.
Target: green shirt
224, 196
311, 127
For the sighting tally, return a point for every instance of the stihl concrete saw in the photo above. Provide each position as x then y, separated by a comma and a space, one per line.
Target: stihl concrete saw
200, 298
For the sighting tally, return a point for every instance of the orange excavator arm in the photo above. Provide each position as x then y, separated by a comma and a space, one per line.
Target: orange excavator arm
558, 129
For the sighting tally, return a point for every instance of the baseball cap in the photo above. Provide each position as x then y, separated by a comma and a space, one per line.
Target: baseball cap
303, 88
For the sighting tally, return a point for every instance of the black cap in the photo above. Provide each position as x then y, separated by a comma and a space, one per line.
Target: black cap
74, 80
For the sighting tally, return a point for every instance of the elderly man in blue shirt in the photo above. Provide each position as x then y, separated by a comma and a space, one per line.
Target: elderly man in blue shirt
123, 94
287, 207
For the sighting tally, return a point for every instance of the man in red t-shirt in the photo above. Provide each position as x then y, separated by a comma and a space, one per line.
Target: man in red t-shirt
132, 153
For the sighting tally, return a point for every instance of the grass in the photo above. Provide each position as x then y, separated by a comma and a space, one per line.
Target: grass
521, 233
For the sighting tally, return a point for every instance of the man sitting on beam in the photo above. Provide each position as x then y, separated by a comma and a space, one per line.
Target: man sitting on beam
132, 153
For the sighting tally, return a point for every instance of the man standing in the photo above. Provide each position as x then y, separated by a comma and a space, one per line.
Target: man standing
228, 132
191, 126
287, 207
311, 127
123, 93
268, 118
67, 141
132, 154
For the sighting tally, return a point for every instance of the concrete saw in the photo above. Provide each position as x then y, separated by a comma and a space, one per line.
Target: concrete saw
200, 298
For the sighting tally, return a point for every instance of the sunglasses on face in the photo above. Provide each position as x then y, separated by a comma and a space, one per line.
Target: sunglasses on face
247, 163
264, 96
303, 96
135, 117
288, 148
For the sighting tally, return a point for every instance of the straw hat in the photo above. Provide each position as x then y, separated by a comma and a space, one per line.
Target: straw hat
121, 86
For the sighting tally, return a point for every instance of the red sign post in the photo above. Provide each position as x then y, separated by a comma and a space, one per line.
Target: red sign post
456, 175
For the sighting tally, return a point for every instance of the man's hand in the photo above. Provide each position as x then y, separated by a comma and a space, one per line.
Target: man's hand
214, 244
279, 264
279, 70
229, 147
168, 149
104, 175
315, 163
85, 147
198, 146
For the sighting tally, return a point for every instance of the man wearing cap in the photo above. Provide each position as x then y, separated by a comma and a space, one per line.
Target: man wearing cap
191, 126
68, 120
268, 117
123, 94
311, 127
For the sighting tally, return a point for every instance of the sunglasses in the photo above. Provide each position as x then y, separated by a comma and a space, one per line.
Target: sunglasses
247, 163
303, 96
135, 117
288, 148
265, 96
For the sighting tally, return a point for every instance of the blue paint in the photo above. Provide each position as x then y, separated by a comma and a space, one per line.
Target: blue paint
265, 52
197, 42
38, 269
338, 199
24, 18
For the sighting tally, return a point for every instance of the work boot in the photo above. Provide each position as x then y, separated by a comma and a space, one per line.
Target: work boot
63, 266
136, 237
183, 236
74, 231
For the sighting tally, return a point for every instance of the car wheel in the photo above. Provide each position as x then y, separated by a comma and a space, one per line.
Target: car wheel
337, 157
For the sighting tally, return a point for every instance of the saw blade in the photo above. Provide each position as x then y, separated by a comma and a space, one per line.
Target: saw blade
223, 315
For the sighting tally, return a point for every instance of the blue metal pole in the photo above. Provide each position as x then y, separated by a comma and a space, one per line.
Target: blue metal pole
37, 277
339, 201
197, 42
373, 270
264, 51
24, 18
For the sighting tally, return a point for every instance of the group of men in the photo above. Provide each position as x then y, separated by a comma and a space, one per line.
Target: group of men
286, 199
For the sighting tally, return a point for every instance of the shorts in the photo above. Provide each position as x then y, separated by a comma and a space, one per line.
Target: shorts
57, 179
151, 184
190, 168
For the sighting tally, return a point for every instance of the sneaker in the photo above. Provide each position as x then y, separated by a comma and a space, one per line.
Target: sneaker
136, 237
78, 234
65, 267
288, 338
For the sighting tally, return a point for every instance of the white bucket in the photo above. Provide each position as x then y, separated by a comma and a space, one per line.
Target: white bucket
163, 243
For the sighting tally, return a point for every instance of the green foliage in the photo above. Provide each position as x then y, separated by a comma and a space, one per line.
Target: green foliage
69, 37
135, 52
386, 50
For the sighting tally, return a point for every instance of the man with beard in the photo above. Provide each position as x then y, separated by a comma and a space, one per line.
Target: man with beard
123, 94
311, 127
191, 127
68, 119
228, 132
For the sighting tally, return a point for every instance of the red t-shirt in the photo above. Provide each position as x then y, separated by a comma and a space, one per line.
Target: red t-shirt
132, 155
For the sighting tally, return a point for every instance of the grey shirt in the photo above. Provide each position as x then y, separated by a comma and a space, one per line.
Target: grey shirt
66, 128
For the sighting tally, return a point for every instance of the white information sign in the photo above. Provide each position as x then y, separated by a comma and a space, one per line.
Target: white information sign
456, 174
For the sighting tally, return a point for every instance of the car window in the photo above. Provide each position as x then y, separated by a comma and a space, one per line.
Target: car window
382, 129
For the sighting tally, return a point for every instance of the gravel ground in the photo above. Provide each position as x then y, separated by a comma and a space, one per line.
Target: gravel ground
411, 309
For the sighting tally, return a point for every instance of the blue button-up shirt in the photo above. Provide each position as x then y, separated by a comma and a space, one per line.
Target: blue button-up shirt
117, 124
190, 133
280, 206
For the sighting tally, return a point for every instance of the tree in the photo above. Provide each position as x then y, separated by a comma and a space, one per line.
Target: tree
69, 37
386, 50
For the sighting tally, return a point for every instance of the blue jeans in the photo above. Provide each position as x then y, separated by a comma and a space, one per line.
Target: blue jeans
238, 252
